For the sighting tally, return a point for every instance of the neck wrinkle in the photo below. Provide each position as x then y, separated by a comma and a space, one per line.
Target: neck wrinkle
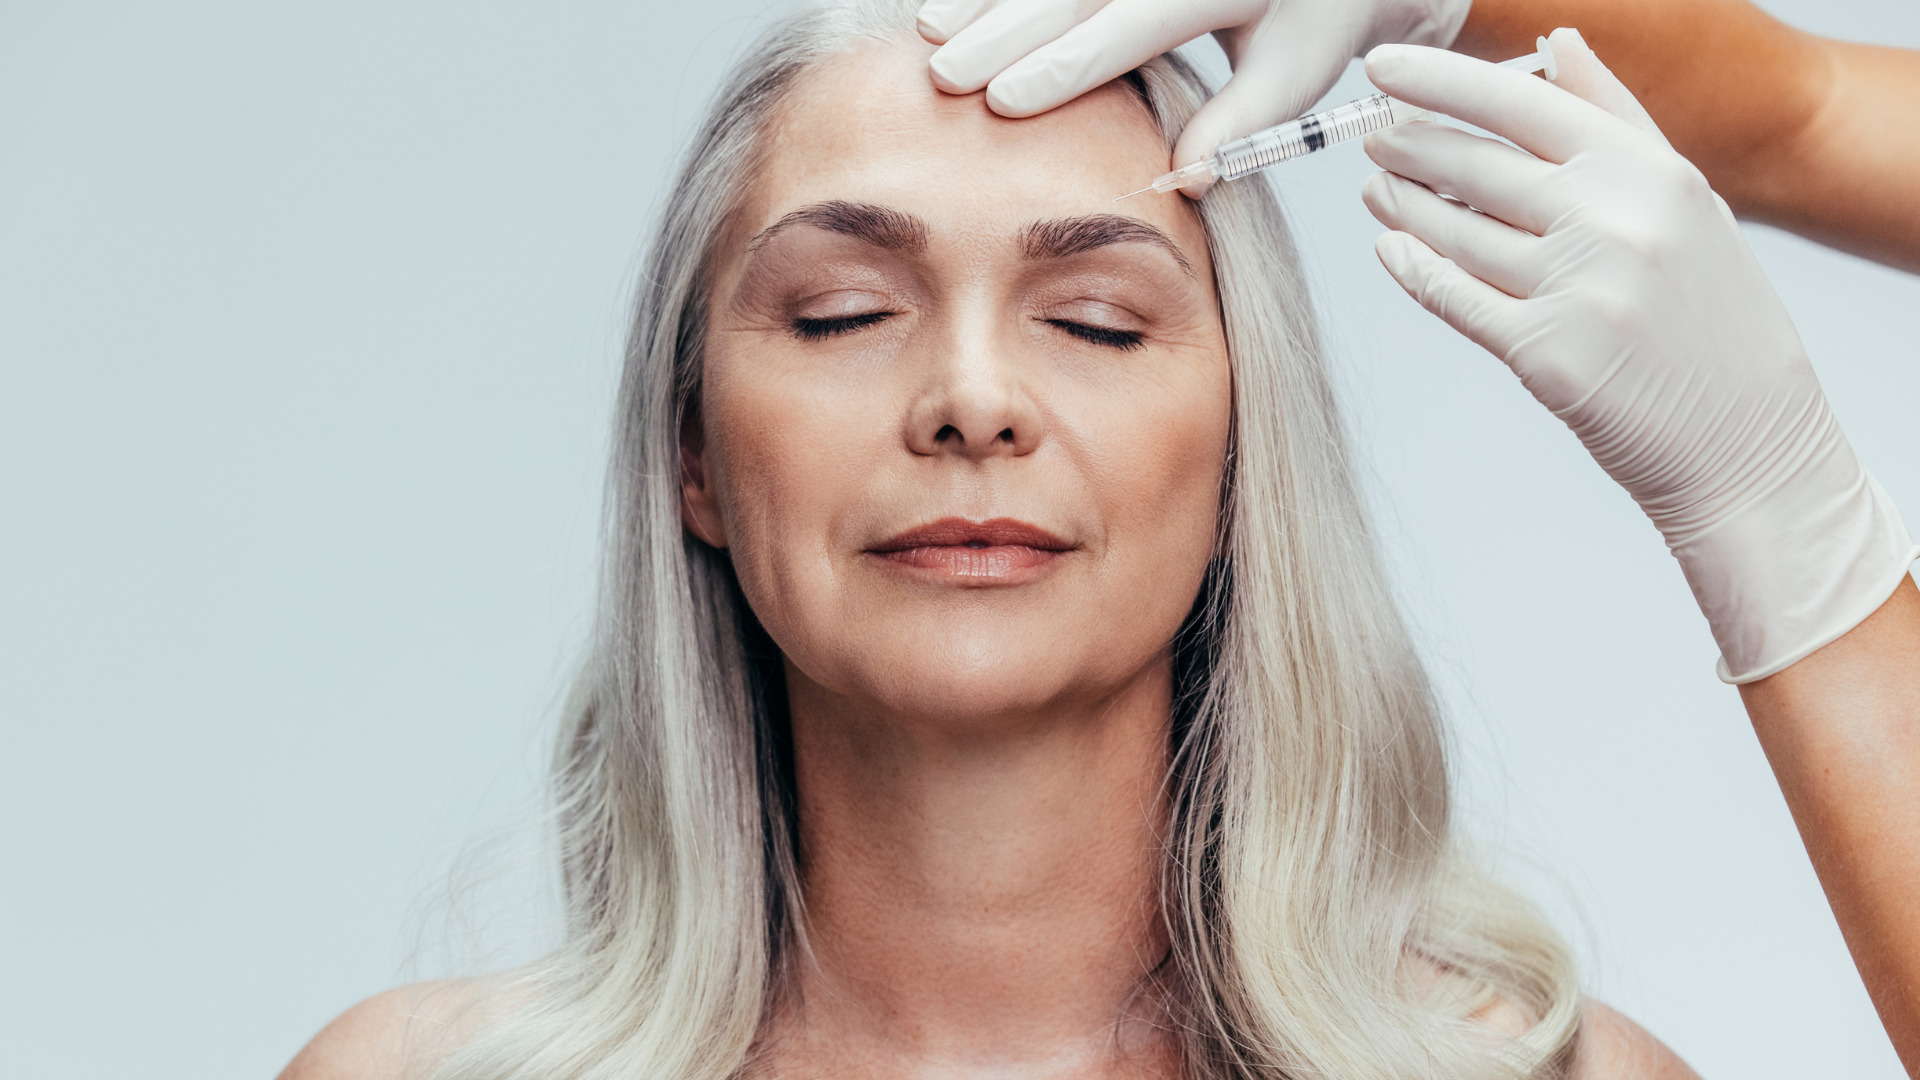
980, 891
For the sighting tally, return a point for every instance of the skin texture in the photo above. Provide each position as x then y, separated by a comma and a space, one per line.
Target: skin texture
1809, 134
978, 758
1842, 731
978, 775
401, 1034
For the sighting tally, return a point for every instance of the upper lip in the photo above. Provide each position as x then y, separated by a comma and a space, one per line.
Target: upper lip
958, 532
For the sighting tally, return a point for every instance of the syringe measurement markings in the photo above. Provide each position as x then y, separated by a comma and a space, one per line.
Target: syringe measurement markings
1317, 131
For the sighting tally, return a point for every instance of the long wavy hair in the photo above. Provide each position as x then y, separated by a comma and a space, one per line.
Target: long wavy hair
1322, 921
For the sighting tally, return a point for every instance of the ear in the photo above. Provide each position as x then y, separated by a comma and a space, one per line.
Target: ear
699, 510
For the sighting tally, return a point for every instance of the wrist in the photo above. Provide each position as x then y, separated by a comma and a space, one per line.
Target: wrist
1797, 568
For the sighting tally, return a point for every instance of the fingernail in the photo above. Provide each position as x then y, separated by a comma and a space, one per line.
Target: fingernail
1004, 97
1377, 141
942, 65
1384, 58
1391, 249
932, 21
1382, 194
1568, 32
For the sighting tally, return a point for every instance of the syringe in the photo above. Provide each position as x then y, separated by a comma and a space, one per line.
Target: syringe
1317, 131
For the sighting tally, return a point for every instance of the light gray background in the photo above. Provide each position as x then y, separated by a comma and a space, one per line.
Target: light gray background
309, 320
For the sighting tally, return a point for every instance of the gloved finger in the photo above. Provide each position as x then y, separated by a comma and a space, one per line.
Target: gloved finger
1110, 42
993, 42
1484, 173
1582, 74
1273, 84
1539, 117
939, 20
1485, 315
1491, 250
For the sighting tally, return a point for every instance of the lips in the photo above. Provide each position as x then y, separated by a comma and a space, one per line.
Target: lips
1000, 549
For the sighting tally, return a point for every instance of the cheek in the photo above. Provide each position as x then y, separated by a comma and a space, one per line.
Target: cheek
1158, 463
786, 456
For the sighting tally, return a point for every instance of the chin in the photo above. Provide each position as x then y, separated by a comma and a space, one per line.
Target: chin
987, 676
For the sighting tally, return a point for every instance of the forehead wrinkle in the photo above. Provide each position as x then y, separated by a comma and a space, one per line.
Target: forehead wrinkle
1062, 237
881, 226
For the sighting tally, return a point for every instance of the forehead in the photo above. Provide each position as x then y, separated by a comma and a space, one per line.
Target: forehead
868, 126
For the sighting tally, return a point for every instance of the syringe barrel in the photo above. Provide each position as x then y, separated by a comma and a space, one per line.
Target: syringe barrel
1315, 131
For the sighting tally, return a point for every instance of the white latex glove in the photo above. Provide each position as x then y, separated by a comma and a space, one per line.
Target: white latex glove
1033, 55
1602, 269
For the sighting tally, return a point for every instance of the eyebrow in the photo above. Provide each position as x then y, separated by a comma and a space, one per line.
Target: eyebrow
880, 226
1073, 236
885, 227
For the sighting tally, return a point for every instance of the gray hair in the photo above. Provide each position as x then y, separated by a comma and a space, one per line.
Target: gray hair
1322, 922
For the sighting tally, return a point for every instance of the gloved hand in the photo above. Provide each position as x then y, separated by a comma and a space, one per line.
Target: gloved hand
1033, 55
1602, 269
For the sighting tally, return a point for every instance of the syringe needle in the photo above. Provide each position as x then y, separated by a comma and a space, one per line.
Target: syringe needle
1199, 172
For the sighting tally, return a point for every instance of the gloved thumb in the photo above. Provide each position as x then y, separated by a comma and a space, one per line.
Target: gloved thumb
1583, 75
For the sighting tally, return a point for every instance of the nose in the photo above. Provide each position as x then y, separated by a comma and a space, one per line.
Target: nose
975, 405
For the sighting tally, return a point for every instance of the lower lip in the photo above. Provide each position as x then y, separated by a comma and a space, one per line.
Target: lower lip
1001, 562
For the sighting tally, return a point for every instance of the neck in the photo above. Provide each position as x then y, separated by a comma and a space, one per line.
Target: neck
983, 891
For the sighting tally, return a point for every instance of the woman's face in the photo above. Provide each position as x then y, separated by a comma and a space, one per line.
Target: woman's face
964, 418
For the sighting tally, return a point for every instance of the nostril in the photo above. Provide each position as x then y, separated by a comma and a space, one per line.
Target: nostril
943, 433
1006, 435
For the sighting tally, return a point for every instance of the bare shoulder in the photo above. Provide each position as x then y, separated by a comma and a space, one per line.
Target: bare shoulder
1613, 1047
401, 1034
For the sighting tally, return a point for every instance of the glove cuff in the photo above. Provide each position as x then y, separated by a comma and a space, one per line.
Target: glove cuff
1796, 570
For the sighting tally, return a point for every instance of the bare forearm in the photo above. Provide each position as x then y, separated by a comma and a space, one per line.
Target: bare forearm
1842, 731
1849, 180
1812, 135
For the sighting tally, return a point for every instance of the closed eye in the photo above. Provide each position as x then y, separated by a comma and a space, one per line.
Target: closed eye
1124, 340
821, 329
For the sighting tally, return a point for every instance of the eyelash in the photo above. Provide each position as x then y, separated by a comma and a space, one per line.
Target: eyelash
822, 329
1124, 340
